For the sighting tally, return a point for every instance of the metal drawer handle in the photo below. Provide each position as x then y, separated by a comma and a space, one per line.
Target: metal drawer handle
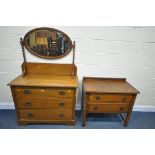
96, 108
124, 99
121, 108
27, 91
61, 92
28, 104
61, 115
97, 97
61, 104
30, 115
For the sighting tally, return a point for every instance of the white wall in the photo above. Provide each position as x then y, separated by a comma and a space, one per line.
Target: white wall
100, 51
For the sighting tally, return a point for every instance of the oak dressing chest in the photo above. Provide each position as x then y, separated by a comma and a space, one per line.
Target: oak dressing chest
108, 95
46, 92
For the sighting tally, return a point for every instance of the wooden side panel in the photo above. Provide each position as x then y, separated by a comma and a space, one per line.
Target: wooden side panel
50, 69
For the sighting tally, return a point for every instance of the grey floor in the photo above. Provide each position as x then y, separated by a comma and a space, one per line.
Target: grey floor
139, 120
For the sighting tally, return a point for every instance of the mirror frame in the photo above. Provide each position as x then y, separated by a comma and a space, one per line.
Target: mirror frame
47, 57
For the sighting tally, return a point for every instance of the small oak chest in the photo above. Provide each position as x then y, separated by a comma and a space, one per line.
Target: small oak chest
108, 95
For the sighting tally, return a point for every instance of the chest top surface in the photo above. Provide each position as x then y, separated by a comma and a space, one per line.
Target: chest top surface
108, 85
47, 75
45, 81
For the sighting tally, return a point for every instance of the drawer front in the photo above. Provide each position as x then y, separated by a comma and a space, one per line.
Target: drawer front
53, 103
45, 92
109, 98
112, 107
44, 114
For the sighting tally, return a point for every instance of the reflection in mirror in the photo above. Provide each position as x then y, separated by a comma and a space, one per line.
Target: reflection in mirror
48, 43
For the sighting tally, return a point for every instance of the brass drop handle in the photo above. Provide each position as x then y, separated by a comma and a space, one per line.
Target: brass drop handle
96, 108
27, 91
61, 104
30, 115
28, 104
97, 97
124, 99
61, 92
61, 115
121, 108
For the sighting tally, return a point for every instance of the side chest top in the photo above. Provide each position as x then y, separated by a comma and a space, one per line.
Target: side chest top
108, 85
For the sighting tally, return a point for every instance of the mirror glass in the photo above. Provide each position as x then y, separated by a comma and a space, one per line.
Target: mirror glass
48, 43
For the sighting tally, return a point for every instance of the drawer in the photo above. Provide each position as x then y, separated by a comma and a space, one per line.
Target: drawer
112, 107
109, 98
37, 102
44, 92
44, 114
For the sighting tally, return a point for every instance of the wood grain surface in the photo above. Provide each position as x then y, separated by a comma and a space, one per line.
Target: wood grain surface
108, 85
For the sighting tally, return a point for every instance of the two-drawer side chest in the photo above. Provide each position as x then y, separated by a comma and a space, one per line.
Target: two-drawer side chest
108, 95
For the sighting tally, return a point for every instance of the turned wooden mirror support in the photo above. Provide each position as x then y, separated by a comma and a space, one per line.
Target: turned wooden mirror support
24, 58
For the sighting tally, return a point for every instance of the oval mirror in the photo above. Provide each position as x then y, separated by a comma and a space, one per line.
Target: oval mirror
48, 43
